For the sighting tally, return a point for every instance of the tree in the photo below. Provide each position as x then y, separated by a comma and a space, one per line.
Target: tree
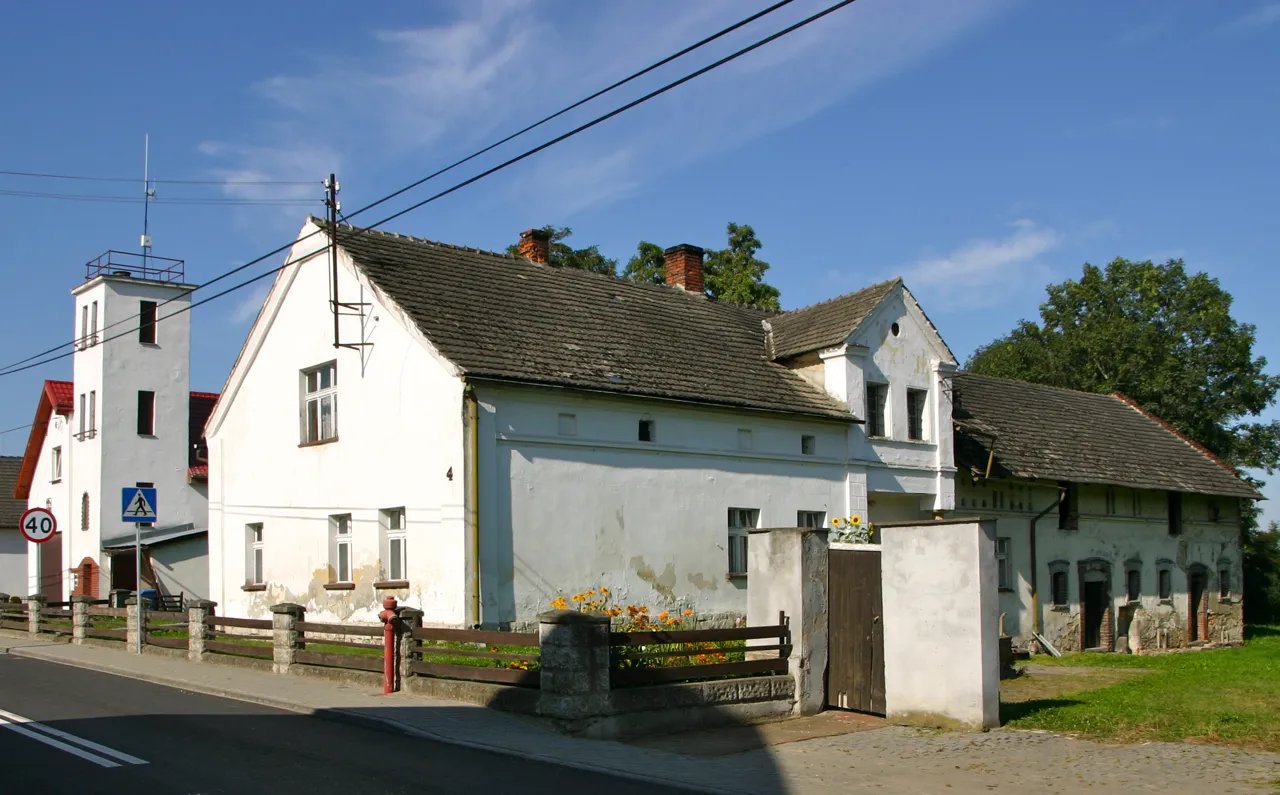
562, 255
735, 274
1262, 574
648, 265
1160, 336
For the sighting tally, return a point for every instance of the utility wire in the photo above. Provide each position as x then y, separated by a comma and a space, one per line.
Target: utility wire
11, 430
413, 185
512, 161
156, 200
135, 180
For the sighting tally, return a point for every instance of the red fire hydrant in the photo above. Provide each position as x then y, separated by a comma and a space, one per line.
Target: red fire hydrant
388, 616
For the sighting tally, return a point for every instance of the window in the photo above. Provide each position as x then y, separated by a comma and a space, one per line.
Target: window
814, 519
55, 460
1137, 502
93, 413
1111, 501
895, 329
1215, 511
320, 403
1133, 583
391, 523
808, 444
877, 400
340, 530
744, 439
1224, 580
146, 413
1069, 507
1175, 513
1059, 587
254, 572
84, 511
147, 322
93, 323
1004, 567
567, 425
83, 418
917, 399
84, 326
645, 432
997, 500
740, 520
1165, 580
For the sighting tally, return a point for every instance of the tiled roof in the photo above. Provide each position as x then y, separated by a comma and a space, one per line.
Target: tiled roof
61, 395
1060, 434
198, 472
11, 508
507, 318
826, 324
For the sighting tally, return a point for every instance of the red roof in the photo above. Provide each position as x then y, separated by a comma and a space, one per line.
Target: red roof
61, 394
198, 472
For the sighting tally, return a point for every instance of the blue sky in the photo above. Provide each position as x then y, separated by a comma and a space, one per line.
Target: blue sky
979, 148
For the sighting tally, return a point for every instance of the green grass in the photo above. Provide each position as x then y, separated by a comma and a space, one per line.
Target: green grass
1229, 696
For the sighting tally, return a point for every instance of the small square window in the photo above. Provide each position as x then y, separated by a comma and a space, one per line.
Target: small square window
1133, 584
394, 544
1069, 507
740, 520
146, 413
808, 444
1059, 587
147, 322
646, 431
255, 549
877, 406
744, 439
1224, 584
1004, 567
1166, 583
917, 400
811, 519
340, 546
1175, 513
567, 425
1215, 511
1111, 501
320, 403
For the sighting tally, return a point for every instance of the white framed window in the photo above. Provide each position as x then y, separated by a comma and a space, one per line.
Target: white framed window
744, 438
808, 444
877, 409
93, 323
917, 402
567, 425
394, 551
1004, 566
740, 521
255, 573
814, 519
55, 462
93, 413
83, 412
320, 403
340, 546
84, 326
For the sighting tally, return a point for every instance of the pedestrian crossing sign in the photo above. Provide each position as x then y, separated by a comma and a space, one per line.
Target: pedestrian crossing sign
138, 504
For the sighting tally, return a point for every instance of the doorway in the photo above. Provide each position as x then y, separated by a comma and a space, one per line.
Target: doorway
1095, 610
50, 566
855, 631
1196, 583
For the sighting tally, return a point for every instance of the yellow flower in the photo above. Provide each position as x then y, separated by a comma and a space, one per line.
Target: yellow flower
855, 519
604, 591
578, 597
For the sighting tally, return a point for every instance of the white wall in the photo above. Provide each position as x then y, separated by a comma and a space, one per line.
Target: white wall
941, 653
649, 520
399, 435
54, 495
182, 566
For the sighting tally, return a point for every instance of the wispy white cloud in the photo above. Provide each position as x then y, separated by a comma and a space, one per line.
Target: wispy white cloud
985, 272
249, 304
1260, 18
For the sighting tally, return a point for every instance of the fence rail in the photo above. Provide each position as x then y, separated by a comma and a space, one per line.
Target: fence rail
658, 657
475, 655
107, 623
240, 644
327, 645
14, 616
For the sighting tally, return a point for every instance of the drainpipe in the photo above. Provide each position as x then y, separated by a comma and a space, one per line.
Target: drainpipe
473, 496
1035, 596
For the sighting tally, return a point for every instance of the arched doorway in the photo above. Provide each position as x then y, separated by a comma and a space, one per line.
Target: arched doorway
86, 576
1197, 603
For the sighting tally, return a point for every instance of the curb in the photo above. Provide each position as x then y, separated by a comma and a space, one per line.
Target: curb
353, 718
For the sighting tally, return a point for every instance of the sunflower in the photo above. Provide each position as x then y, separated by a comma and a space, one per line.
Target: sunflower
836, 522
855, 519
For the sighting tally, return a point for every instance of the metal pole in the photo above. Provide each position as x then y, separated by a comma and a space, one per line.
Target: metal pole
146, 195
142, 613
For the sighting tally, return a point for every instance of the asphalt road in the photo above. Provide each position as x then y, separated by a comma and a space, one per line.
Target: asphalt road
98, 733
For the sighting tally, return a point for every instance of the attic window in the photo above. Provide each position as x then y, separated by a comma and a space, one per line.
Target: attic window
1069, 507
808, 444
646, 430
895, 330
1175, 513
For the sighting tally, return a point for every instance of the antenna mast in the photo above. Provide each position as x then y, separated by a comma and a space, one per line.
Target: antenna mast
356, 308
148, 193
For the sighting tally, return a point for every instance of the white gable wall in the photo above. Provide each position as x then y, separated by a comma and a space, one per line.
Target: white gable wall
46, 492
399, 421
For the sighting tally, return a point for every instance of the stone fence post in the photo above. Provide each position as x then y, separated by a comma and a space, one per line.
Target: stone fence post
285, 636
35, 603
80, 618
410, 619
133, 623
197, 632
575, 664
118, 597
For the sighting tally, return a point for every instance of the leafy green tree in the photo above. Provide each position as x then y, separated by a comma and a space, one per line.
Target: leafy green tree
562, 255
735, 274
1160, 336
647, 265
1262, 574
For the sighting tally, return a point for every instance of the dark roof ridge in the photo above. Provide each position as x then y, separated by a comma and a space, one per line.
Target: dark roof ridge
1206, 452
322, 223
1108, 395
842, 296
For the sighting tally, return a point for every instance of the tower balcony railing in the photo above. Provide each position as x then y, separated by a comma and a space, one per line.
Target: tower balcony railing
136, 266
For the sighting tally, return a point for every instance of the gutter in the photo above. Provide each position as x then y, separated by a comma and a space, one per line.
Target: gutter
1035, 595
473, 495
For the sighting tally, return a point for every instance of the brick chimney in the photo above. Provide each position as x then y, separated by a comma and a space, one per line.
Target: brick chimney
535, 244
684, 268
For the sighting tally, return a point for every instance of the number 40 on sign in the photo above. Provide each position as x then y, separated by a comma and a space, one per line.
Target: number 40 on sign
38, 525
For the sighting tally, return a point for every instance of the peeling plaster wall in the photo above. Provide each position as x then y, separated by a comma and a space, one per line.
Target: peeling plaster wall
1121, 539
400, 432
564, 513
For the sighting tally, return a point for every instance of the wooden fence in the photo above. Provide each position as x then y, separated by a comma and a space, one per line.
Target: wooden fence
173, 625
509, 658
107, 623
650, 658
251, 643
351, 646
14, 616
56, 620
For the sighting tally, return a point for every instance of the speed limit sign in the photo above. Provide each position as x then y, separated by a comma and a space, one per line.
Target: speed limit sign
38, 525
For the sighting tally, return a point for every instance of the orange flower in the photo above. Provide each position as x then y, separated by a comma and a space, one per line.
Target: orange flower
604, 591
662, 615
688, 612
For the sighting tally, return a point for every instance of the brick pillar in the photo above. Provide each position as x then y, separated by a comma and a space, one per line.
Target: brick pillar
535, 244
286, 638
1202, 619
410, 619
79, 618
197, 631
683, 268
133, 623
575, 664
1106, 634
35, 603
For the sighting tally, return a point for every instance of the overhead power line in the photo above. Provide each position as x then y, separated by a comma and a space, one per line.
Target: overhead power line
191, 200
136, 181
505, 164
719, 34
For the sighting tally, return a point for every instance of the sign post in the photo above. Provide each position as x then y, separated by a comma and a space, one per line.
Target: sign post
138, 505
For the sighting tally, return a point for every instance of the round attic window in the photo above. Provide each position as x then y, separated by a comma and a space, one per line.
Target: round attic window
894, 329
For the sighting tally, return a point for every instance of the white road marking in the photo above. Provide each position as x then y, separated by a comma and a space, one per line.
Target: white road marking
46, 735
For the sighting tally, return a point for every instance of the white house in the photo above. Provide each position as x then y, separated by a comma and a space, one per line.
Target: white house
13, 547
128, 418
479, 434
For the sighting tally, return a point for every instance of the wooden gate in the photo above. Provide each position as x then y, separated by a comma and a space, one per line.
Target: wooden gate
855, 631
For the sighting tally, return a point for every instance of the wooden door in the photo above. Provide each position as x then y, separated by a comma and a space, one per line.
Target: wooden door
1095, 607
855, 632
50, 565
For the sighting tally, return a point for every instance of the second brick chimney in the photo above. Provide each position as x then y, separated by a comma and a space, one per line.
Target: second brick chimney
684, 268
535, 244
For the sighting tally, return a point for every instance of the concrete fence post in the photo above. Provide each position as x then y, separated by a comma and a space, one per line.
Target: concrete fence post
410, 619
197, 631
133, 623
80, 618
35, 603
118, 597
575, 664
285, 635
